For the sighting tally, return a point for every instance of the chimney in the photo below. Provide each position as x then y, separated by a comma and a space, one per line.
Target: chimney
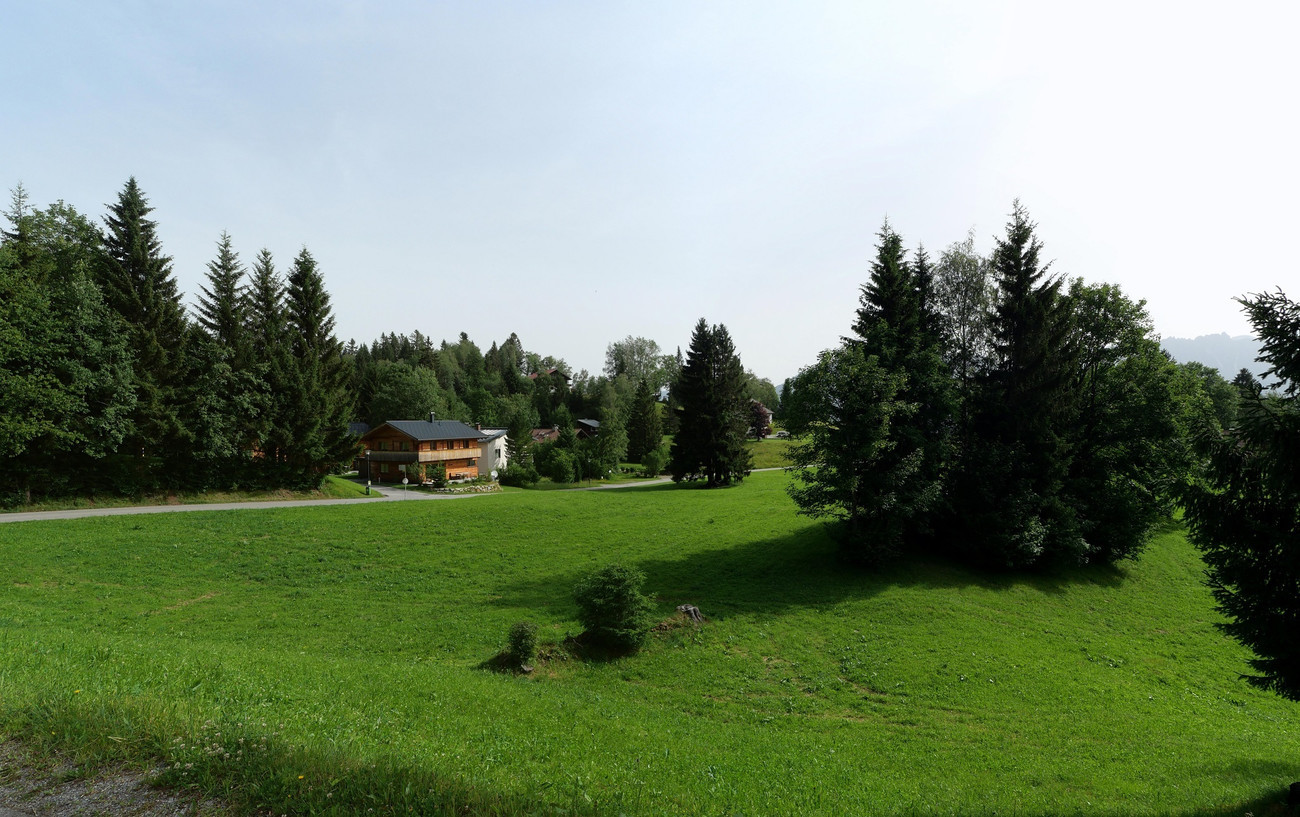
478, 426
432, 417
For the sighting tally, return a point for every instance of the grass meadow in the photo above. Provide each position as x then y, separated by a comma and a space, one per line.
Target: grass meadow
328, 660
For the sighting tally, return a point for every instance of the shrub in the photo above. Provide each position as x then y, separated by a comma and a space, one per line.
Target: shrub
518, 475
611, 607
562, 467
655, 461
438, 476
522, 643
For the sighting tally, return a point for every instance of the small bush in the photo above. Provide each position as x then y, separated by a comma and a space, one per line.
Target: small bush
438, 475
562, 467
655, 461
611, 607
522, 643
518, 476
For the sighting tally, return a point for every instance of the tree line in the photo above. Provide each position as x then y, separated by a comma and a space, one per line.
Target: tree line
108, 386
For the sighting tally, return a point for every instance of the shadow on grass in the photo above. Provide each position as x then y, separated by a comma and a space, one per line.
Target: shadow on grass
793, 571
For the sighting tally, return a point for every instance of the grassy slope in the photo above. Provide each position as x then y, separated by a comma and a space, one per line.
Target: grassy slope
812, 690
769, 452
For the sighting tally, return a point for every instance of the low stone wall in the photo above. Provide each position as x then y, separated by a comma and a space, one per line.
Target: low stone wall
488, 488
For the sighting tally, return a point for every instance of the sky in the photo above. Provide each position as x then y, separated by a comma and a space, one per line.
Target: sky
577, 173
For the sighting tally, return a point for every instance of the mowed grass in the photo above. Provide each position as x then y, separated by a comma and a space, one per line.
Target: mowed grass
769, 452
327, 659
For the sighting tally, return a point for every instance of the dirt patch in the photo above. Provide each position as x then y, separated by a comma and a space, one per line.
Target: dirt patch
42, 787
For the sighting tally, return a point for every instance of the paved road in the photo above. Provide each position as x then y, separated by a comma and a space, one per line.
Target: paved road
385, 493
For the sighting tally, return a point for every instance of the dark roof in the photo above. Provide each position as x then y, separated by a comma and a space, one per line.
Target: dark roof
492, 434
436, 430
590, 423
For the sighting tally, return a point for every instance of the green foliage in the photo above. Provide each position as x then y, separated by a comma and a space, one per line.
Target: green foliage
139, 287
644, 427
319, 402
221, 303
710, 441
655, 460
636, 359
1010, 503
66, 396
875, 415
404, 392
1222, 394
437, 474
521, 643
1127, 436
845, 463
611, 607
519, 474
1245, 512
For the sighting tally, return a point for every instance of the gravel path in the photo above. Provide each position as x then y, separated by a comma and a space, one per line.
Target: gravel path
31, 787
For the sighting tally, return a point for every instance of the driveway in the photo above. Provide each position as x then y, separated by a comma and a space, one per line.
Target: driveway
384, 493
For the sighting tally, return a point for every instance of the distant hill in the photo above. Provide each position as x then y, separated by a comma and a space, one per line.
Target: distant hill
1227, 354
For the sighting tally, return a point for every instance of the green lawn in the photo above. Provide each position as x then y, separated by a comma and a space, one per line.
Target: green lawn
343, 644
769, 452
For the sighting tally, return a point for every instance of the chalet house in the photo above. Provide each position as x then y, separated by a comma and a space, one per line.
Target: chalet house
587, 429
397, 444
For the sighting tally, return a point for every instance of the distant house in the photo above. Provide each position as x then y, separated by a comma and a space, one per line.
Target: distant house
551, 371
588, 429
546, 435
396, 445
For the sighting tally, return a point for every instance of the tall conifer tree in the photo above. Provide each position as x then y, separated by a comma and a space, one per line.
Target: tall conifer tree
1016, 455
138, 286
272, 365
1245, 514
713, 419
319, 403
876, 414
644, 428
222, 303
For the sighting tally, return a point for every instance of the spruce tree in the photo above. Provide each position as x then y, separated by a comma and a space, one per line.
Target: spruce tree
877, 414
1015, 455
138, 285
222, 303
644, 428
319, 403
271, 363
846, 468
713, 419
1245, 513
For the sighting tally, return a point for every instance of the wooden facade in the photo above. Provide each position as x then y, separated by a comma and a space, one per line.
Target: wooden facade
398, 449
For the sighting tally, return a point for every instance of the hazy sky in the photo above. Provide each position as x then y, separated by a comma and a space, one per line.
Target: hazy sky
579, 172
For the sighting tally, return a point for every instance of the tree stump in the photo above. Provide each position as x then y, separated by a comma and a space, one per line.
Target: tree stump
692, 612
